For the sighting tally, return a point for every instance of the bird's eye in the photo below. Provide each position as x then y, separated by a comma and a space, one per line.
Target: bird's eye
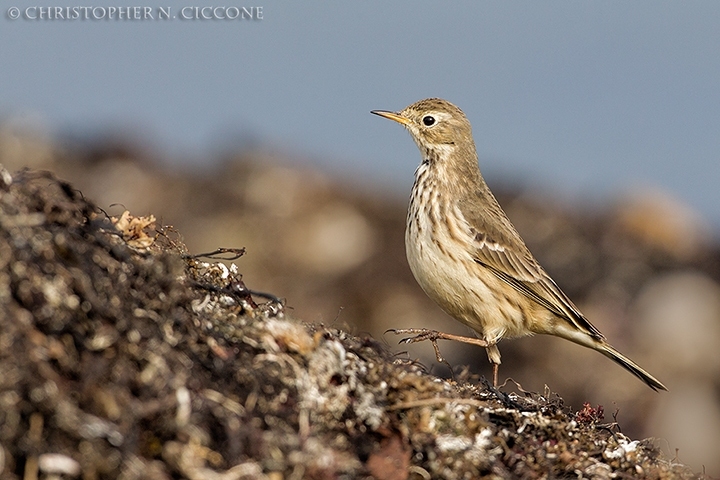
428, 120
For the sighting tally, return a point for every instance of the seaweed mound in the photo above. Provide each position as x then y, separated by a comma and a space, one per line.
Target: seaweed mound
123, 356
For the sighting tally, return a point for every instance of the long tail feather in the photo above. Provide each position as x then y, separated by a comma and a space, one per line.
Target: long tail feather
569, 332
610, 352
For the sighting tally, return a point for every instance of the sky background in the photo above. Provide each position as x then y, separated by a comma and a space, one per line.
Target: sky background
583, 99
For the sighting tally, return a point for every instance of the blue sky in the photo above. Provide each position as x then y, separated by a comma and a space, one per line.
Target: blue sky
585, 99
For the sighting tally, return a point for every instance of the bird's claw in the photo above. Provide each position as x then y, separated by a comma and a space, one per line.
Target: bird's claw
420, 334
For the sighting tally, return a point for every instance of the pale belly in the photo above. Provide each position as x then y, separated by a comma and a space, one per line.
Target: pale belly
466, 291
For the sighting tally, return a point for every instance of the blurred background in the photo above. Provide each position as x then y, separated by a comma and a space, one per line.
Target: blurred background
596, 123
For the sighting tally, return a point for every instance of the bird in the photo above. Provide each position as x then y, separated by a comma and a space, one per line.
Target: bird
468, 257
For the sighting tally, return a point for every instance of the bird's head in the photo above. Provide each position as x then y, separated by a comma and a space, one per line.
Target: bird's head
436, 125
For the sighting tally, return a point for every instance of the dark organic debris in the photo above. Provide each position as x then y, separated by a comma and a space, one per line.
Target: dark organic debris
123, 357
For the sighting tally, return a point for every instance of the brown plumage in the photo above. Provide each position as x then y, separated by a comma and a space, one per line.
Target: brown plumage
466, 254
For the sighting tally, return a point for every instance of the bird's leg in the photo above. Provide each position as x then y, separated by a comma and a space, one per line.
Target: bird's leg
433, 336
440, 358
422, 334
493, 354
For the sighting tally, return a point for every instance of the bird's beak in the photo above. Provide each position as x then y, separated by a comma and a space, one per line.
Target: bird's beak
392, 116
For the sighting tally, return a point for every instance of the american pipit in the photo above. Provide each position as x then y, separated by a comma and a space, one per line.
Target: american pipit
466, 254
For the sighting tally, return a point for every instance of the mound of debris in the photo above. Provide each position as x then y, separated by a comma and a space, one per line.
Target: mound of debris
123, 356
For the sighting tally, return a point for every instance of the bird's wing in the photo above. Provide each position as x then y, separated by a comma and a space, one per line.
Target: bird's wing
499, 247
519, 269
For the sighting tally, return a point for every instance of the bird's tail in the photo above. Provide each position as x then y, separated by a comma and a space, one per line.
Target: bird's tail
570, 332
632, 367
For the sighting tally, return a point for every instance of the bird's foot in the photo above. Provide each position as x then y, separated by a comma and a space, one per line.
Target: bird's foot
422, 334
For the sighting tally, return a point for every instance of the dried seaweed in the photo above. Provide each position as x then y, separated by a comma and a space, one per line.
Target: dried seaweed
121, 356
